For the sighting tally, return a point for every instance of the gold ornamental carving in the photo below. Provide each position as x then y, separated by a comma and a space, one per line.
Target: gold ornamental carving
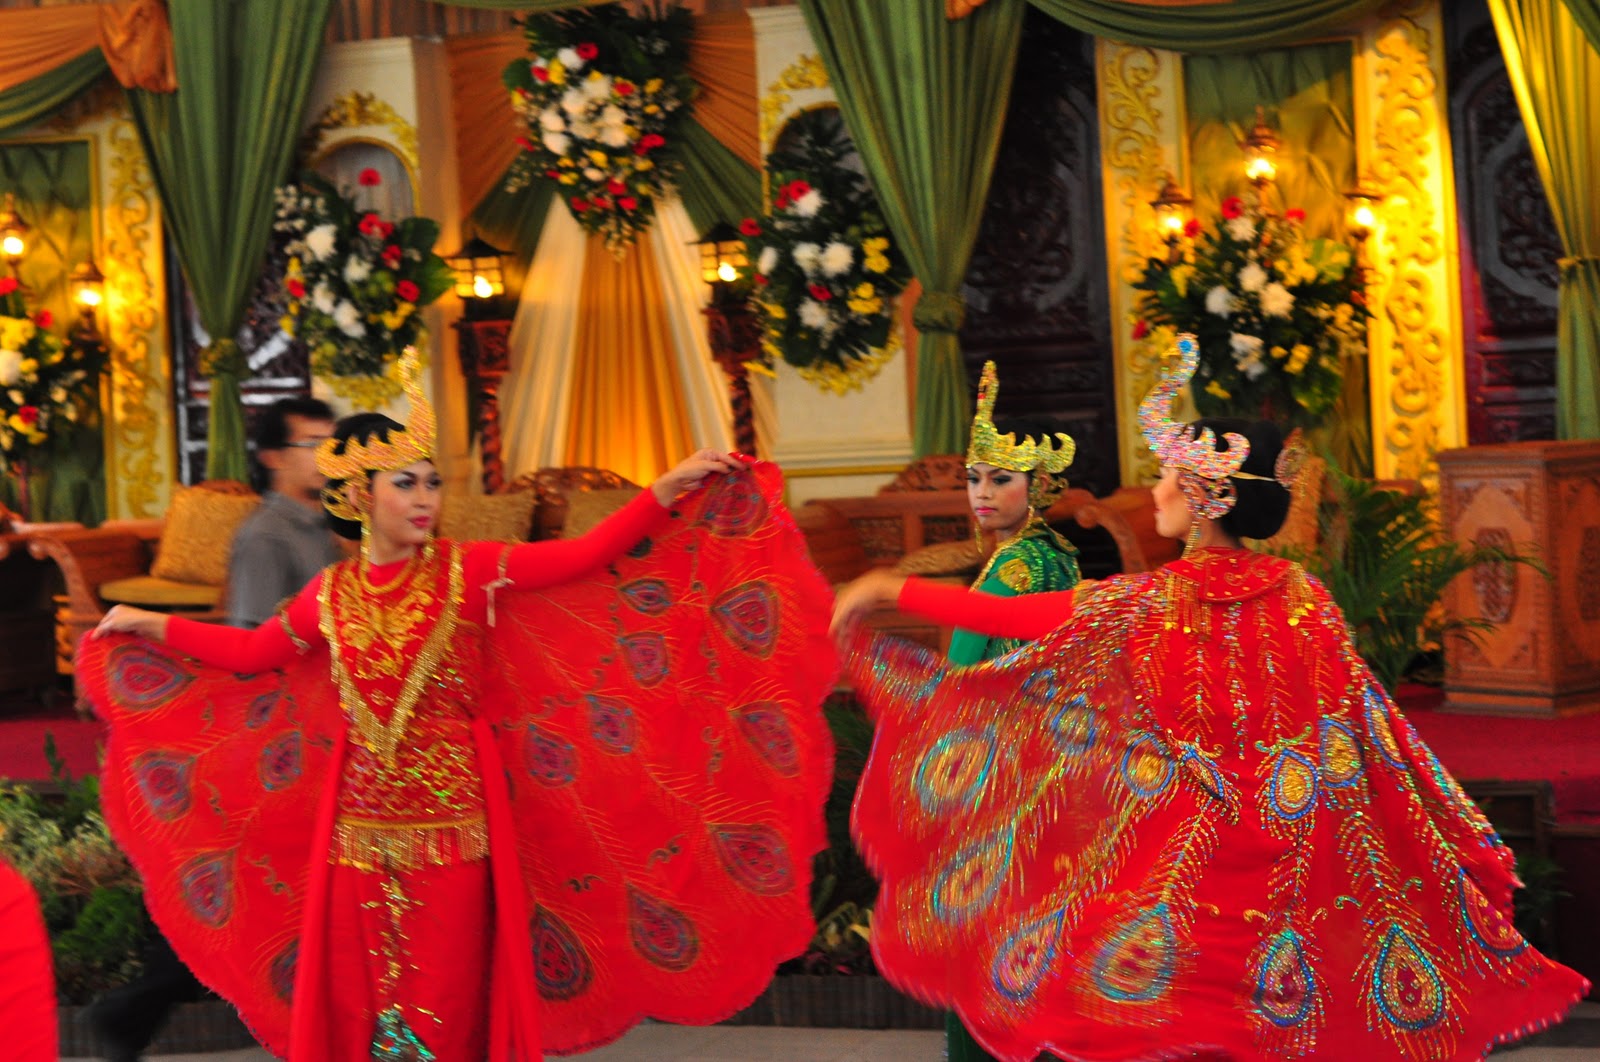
806, 72
1416, 358
1134, 84
356, 110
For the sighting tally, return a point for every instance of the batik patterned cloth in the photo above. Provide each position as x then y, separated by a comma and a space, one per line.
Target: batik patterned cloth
1187, 823
643, 748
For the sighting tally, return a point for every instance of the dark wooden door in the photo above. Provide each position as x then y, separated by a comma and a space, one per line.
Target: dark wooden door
1509, 249
1036, 289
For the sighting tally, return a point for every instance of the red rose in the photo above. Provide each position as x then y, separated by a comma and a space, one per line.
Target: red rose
796, 189
579, 204
29, 415
750, 227
587, 50
649, 142
761, 280
297, 288
616, 187
44, 318
541, 74
628, 202
524, 143
624, 88
820, 293
392, 255
782, 199
1294, 214
1191, 228
552, 174
1141, 329
8, 285
407, 290
371, 225
1232, 207
369, 178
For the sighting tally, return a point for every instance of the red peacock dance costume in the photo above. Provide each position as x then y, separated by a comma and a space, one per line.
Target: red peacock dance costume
433, 815
1185, 822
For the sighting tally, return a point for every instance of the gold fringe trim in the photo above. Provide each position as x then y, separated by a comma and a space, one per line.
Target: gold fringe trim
382, 845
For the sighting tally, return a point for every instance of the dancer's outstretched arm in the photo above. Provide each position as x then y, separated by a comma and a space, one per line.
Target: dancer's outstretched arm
1029, 616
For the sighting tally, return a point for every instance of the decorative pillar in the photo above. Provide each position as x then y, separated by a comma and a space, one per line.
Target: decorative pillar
1543, 656
485, 357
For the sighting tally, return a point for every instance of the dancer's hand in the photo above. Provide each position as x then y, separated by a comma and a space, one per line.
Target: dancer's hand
691, 472
151, 625
880, 586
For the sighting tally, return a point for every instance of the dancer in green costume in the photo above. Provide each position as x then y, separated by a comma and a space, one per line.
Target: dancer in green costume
1010, 485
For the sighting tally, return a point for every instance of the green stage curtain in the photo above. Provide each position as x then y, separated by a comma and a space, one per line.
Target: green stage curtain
1555, 72
514, 221
218, 147
716, 185
1221, 27
1587, 14
32, 100
925, 99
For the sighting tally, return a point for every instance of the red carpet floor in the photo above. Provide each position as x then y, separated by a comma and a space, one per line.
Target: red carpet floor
22, 737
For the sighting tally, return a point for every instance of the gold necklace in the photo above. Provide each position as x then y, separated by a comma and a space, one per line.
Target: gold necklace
382, 739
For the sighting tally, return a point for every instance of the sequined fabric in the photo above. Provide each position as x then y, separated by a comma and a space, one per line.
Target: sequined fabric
1188, 821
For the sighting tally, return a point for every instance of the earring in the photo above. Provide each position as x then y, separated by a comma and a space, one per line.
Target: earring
366, 544
1192, 540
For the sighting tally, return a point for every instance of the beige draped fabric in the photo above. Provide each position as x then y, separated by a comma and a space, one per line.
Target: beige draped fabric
625, 411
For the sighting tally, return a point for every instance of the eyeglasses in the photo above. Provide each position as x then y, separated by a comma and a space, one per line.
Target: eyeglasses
304, 444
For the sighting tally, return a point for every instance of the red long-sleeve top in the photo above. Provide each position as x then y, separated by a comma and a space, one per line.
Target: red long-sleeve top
1026, 616
528, 566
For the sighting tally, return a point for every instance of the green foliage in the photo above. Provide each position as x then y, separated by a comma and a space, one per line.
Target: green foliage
840, 876
89, 894
1387, 562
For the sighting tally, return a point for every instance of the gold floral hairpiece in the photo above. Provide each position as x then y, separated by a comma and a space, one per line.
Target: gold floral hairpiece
351, 460
988, 446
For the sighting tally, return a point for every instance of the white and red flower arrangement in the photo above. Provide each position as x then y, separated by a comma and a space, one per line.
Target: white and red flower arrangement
355, 283
826, 271
1278, 315
43, 380
602, 101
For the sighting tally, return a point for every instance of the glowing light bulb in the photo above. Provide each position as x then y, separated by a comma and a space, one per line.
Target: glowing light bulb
1364, 219
12, 246
89, 297
481, 288
726, 272
1261, 169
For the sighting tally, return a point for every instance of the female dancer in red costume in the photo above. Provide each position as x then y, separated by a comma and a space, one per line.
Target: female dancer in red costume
461, 820
27, 983
1186, 822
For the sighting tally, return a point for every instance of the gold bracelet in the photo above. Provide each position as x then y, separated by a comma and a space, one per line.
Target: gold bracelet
300, 644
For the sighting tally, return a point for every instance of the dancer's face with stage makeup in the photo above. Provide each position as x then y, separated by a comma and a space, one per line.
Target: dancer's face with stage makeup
405, 509
999, 498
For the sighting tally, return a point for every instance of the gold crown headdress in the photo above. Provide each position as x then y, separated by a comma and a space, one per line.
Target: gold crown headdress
349, 459
988, 446
1205, 473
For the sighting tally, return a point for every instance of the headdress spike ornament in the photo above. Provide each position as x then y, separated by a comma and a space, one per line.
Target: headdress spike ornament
988, 446
350, 460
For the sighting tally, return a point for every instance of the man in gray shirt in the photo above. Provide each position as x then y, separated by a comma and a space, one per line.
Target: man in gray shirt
285, 542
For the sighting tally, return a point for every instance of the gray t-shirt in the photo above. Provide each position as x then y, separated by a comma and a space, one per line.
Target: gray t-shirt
275, 553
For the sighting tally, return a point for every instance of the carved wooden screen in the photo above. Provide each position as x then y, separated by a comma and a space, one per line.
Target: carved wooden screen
278, 366
1036, 288
1509, 247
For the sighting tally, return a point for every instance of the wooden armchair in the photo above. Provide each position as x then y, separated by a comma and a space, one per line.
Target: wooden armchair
120, 562
555, 488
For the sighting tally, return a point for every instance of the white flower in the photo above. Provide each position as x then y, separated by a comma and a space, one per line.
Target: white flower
573, 101
596, 88
551, 121
17, 398
815, 315
557, 143
10, 368
1220, 301
612, 115
1252, 277
1247, 354
1276, 300
1242, 229
768, 261
808, 205
808, 256
837, 258
615, 136
348, 318
570, 58
58, 394
592, 174
357, 269
320, 240
322, 298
